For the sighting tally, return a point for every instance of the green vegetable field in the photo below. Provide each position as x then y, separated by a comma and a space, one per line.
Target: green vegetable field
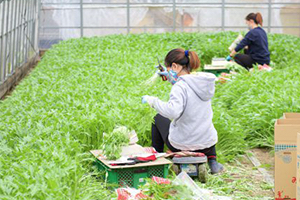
84, 87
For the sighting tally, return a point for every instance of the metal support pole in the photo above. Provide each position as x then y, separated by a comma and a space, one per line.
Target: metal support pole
14, 38
28, 34
223, 15
23, 47
21, 41
269, 15
24, 32
81, 18
18, 51
182, 22
128, 16
37, 28
10, 57
31, 45
27, 31
174, 15
2, 42
198, 24
6, 42
34, 24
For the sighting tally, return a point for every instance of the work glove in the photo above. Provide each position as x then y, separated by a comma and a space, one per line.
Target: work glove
228, 58
148, 99
164, 73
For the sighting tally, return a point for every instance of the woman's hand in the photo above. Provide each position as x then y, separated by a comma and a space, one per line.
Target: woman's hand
233, 52
148, 99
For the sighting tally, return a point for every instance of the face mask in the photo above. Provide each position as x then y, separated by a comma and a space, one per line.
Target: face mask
172, 77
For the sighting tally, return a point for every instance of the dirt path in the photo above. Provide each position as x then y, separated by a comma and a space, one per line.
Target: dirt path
241, 180
266, 158
267, 162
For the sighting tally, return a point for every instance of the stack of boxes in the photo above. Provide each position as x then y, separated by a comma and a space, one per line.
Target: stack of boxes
287, 157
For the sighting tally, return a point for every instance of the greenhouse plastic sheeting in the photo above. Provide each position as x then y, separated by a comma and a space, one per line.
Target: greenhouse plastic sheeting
18, 34
61, 20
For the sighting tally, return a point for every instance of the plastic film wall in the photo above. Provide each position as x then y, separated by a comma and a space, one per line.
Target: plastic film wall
18, 34
63, 19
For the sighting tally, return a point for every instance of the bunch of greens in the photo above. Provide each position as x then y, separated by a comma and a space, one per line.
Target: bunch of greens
232, 66
113, 142
170, 191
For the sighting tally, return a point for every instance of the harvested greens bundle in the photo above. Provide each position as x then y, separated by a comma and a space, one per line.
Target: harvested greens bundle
236, 68
171, 191
113, 142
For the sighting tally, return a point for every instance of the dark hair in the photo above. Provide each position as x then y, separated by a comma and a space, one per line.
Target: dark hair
257, 18
188, 59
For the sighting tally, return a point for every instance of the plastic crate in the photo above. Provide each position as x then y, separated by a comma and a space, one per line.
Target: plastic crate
132, 177
217, 72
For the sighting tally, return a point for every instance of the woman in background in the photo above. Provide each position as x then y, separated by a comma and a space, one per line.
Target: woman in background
256, 41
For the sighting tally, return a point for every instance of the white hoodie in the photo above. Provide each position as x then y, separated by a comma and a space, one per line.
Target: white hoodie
190, 109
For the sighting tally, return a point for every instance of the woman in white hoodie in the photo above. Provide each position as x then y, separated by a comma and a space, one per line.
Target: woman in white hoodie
184, 123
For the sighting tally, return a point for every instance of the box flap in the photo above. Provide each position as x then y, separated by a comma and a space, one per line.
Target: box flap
289, 121
286, 130
291, 115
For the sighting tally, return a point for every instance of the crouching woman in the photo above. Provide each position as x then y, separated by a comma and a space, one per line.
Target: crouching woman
184, 123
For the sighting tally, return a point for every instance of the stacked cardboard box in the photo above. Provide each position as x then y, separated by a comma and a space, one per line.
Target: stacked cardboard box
286, 160
298, 167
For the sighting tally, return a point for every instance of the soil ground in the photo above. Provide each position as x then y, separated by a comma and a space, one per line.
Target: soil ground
241, 180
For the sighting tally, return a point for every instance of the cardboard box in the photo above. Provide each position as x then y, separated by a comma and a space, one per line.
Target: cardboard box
291, 115
285, 138
298, 166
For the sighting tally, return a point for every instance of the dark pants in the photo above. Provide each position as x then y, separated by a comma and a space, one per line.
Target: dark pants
244, 60
160, 133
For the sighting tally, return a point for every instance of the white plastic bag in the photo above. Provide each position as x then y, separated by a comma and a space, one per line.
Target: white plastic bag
200, 194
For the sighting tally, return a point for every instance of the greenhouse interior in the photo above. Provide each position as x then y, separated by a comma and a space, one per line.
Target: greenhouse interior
150, 99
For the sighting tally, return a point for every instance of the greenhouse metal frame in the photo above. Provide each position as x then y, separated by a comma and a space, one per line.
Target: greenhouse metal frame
18, 34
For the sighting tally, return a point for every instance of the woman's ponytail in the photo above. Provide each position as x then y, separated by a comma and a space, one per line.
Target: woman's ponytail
257, 18
188, 59
194, 60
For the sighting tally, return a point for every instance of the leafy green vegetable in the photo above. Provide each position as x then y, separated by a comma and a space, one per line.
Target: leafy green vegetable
166, 191
113, 142
232, 66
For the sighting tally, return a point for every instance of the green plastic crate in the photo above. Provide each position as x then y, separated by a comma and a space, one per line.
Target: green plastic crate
217, 72
132, 177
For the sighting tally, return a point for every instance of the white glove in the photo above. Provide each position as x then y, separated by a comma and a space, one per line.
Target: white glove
148, 99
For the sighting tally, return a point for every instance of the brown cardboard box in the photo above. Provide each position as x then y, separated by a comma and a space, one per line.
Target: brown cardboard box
286, 131
298, 166
291, 115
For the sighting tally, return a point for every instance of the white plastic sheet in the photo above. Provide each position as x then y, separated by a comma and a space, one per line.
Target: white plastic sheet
144, 15
200, 194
